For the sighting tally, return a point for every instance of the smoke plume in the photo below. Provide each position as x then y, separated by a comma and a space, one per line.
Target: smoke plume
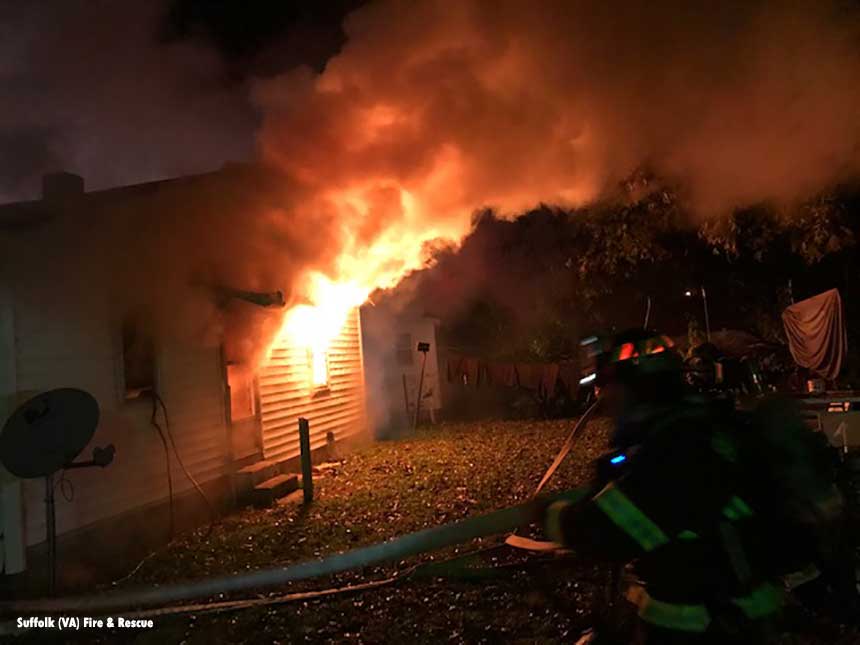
431, 110
87, 86
434, 109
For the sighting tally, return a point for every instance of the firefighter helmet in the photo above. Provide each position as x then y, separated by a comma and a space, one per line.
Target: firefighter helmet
637, 354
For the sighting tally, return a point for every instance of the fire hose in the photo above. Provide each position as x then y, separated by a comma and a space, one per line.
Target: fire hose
519, 542
394, 550
411, 544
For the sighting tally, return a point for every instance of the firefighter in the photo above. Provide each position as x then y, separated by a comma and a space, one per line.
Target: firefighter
675, 505
796, 483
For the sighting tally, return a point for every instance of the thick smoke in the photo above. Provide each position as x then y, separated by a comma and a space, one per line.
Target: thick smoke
169, 254
86, 86
432, 109
508, 104
89, 86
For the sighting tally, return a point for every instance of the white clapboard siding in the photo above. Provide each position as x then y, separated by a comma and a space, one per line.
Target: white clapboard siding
286, 394
75, 346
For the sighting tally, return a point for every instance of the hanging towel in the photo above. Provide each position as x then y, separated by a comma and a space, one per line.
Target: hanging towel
569, 374
816, 333
503, 374
548, 379
529, 375
455, 367
471, 369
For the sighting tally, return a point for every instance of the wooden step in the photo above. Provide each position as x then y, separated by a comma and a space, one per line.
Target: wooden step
253, 474
287, 466
265, 493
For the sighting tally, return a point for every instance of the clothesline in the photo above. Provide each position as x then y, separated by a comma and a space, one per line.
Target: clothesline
543, 378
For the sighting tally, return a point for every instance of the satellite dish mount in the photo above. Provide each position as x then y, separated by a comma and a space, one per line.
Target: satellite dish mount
45, 435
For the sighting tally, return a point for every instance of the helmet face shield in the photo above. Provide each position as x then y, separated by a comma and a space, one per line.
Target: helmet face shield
634, 349
637, 355
592, 349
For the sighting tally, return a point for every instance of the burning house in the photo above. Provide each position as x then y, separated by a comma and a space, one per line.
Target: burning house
201, 367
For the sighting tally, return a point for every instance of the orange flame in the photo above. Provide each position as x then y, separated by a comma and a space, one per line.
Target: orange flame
315, 325
361, 267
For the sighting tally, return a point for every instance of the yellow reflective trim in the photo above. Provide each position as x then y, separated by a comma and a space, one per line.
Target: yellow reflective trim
552, 522
686, 618
763, 601
724, 446
736, 508
627, 516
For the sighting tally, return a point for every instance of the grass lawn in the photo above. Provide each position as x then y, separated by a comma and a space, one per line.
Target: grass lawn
385, 490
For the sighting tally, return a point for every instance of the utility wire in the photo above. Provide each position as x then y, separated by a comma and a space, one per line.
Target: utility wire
67, 488
165, 435
134, 571
153, 420
213, 514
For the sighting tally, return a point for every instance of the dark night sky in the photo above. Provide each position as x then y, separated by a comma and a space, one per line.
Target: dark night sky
124, 93
738, 101
272, 36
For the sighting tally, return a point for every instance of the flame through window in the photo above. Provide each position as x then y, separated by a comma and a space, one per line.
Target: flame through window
318, 362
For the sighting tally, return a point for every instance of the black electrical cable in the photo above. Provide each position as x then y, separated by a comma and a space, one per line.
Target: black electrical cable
153, 420
134, 571
185, 470
67, 488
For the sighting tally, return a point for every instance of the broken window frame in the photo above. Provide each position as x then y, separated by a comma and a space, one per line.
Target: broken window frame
244, 381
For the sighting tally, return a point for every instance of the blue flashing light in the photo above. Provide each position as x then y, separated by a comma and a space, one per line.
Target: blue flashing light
619, 459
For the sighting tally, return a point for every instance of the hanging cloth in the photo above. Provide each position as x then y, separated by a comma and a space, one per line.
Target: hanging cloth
816, 333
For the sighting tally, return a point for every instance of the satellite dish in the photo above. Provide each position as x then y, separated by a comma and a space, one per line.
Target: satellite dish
43, 436
47, 432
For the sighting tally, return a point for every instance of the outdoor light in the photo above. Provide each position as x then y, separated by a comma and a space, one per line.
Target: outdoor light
689, 293
588, 379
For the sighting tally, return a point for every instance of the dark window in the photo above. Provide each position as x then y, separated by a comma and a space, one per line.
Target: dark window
138, 359
241, 382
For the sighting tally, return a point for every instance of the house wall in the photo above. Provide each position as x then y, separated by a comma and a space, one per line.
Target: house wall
422, 330
394, 362
65, 337
286, 394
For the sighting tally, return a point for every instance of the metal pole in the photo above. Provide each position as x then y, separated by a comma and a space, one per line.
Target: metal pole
307, 472
707, 318
51, 527
647, 313
420, 388
406, 397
